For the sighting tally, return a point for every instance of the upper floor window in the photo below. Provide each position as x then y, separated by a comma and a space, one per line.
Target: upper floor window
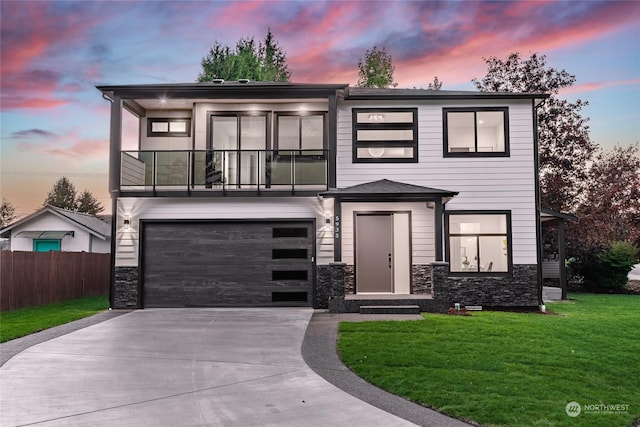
476, 132
168, 127
300, 132
385, 135
478, 242
238, 131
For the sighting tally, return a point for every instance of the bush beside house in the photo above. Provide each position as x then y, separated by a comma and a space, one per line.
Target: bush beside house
605, 269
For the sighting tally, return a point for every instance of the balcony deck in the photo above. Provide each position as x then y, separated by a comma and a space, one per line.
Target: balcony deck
216, 172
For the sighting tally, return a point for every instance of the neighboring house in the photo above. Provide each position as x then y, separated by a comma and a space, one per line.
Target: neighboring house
324, 195
57, 229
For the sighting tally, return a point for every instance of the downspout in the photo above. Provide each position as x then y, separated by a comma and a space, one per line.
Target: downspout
536, 155
114, 201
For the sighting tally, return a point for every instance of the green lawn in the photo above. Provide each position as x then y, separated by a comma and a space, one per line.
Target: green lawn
25, 321
511, 369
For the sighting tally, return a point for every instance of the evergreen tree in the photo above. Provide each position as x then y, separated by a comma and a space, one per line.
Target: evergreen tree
62, 195
264, 61
87, 203
7, 213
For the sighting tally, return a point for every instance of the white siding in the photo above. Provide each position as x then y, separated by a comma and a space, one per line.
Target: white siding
422, 228
490, 183
81, 240
218, 208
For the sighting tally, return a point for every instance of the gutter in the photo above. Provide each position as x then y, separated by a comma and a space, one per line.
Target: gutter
114, 221
538, 217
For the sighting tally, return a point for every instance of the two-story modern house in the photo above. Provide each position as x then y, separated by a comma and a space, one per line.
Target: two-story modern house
324, 195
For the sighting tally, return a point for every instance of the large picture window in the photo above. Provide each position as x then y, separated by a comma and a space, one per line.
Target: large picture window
479, 242
385, 135
476, 132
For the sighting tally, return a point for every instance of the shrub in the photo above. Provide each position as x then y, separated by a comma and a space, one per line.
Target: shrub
604, 268
617, 262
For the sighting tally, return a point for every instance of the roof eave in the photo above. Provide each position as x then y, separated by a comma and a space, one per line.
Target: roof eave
436, 95
222, 90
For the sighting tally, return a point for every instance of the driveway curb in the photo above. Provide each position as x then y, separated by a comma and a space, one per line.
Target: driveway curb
319, 353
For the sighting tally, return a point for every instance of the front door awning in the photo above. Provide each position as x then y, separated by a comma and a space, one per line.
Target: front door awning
387, 190
54, 235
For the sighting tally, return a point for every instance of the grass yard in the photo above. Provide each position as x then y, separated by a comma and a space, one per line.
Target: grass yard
510, 369
25, 321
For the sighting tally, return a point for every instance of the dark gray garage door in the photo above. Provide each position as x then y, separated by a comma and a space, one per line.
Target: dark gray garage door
208, 264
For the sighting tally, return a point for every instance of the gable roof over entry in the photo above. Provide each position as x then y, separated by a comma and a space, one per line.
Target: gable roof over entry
387, 190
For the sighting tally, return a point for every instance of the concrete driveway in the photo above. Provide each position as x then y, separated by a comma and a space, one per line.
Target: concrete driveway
179, 367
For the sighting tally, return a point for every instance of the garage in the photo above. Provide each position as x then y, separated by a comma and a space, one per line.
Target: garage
227, 263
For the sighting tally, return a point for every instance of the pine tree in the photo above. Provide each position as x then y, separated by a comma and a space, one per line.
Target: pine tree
7, 213
62, 195
264, 61
87, 203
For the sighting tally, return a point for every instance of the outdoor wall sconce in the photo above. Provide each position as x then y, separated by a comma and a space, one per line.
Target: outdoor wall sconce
127, 222
328, 221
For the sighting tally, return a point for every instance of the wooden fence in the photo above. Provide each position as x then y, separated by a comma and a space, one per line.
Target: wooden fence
29, 279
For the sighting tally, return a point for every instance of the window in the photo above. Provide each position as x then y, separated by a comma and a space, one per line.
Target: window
479, 242
46, 245
169, 127
290, 232
301, 132
238, 142
481, 132
385, 135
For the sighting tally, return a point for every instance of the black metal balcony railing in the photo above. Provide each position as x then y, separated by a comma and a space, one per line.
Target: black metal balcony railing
224, 170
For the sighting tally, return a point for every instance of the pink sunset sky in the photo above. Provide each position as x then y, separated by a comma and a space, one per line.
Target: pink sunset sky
53, 122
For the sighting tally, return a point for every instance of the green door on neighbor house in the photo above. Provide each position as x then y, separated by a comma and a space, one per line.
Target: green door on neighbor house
45, 245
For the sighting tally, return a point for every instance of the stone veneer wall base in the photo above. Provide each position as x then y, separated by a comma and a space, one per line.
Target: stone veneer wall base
517, 290
125, 290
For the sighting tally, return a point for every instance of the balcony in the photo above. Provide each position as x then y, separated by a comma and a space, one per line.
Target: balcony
222, 171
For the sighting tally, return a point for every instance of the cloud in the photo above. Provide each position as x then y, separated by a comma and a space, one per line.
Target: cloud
31, 133
37, 40
69, 145
593, 86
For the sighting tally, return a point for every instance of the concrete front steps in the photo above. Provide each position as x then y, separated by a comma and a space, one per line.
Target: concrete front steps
387, 304
389, 309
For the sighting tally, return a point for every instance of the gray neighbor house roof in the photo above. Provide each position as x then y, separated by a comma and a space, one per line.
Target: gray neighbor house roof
96, 226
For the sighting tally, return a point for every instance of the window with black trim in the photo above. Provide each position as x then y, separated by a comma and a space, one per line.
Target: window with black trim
481, 132
478, 242
385, 135
304, 132
168, 126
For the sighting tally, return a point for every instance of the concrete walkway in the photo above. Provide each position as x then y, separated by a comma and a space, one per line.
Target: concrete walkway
179, 367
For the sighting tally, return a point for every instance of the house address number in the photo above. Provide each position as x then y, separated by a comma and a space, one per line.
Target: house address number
336, 227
